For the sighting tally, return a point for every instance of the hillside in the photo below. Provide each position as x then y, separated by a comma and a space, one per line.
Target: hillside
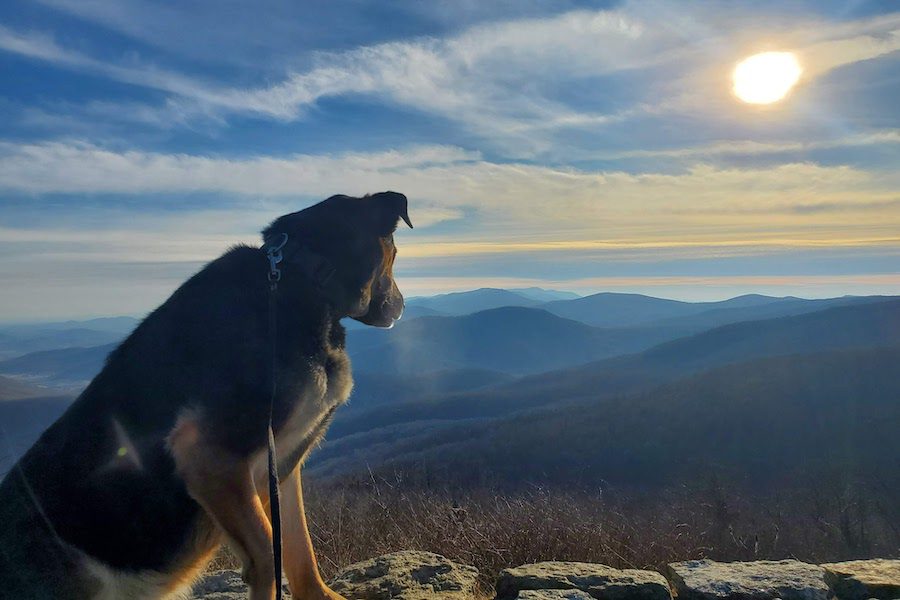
514, 340
759, 420
376, 389
63, 368
867, 325
14, 389
19, 339
463, 303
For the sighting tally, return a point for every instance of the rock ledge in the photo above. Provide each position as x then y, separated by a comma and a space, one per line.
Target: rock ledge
597, 581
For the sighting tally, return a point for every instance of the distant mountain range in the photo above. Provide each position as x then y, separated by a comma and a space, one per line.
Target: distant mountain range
409, 424
767, 421
19, 339
66, 368
514, 340
634, 310
461, 374
464, 303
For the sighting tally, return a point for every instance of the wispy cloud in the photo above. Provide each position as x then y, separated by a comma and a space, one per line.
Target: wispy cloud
43, 47
506, 200
756, 148
484, 77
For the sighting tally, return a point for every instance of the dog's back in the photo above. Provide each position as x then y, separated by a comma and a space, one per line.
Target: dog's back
95, 508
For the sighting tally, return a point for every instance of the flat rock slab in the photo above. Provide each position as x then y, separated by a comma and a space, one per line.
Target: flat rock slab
759, 580
862, 579
223, 585
599, 581
409, 575
553, 595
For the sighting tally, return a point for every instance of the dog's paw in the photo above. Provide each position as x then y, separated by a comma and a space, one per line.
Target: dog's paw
322, 592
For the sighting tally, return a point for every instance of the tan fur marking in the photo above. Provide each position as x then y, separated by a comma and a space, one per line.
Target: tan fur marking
223, 486
299, 557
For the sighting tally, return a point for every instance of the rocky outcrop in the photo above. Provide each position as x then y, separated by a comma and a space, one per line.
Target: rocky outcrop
862, 579
759, 580
426, 576
407, 576
553, 595
598, 581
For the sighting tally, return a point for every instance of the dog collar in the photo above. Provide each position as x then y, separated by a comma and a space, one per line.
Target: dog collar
281, 249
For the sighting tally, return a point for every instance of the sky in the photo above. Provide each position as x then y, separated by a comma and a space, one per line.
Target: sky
586, 146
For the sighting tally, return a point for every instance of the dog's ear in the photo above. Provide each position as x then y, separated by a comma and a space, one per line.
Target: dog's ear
389, 208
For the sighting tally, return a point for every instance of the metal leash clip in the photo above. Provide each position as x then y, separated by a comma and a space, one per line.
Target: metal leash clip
275, 256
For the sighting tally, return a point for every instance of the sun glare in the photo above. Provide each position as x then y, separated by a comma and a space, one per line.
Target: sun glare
766, 78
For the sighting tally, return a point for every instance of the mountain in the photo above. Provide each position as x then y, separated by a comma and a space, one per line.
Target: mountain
19, 339
761, 421
463, 303
514, 340
859, 326
632, 310
733, 312
609, 309
544, 295
377, 389
64, 368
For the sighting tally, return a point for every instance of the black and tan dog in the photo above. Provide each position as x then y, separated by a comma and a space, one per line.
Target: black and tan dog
163, 456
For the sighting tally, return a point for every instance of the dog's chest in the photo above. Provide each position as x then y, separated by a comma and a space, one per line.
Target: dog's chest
312, 401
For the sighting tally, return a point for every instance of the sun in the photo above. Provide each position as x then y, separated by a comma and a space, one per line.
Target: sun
766, 78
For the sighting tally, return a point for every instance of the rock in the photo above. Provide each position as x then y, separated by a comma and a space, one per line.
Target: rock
861, 579
599, 581
760, 580
553, 595
408, 575
223, 585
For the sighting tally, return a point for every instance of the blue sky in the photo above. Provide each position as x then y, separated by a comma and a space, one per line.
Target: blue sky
578, 145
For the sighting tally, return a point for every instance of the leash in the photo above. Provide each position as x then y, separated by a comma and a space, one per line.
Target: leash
320, 270
275, 256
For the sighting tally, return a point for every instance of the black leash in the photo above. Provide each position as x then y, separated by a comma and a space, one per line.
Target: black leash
274, 254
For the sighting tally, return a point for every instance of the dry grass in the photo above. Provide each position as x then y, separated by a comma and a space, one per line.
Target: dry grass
493, 529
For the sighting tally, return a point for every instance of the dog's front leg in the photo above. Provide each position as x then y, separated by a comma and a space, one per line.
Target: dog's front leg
223, 485
299, 557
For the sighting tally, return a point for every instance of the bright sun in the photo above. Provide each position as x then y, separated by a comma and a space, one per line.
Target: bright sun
766, 78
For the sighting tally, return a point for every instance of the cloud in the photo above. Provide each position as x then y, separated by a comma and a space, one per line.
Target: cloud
43, 47
73, 167
503, 80
755, 148
504, 200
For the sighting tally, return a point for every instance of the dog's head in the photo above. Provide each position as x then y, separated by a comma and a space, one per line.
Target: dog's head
354, 238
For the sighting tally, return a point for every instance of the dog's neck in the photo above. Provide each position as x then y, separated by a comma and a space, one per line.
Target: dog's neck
301, 306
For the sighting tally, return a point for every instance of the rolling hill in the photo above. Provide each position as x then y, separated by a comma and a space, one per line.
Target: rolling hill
848, 327
67, 368
464, 303
513, 340
377, 389
14, 389
757, 422
19, 339
633, 310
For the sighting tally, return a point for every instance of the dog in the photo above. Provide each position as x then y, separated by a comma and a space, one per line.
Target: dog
163, 457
